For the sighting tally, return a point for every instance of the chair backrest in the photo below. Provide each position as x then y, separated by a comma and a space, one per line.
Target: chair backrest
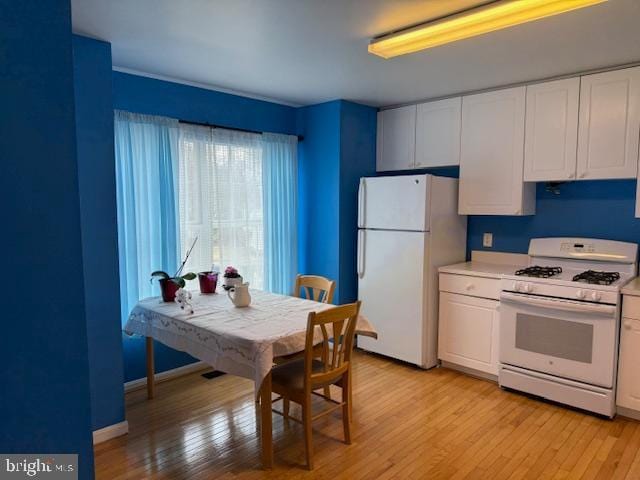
337, 324
315, 288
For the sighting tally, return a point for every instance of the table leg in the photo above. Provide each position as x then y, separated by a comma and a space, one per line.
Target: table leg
266, 434
151, 383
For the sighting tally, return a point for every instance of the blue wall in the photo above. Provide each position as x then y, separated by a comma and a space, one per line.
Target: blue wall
319, 190
598, 209
338, 148
44, 399
157, 97
357, 159
96, 175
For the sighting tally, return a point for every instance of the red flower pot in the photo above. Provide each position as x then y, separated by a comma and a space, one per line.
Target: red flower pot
208, 282
168, 289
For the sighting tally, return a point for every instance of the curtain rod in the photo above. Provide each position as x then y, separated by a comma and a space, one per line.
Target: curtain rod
211, 125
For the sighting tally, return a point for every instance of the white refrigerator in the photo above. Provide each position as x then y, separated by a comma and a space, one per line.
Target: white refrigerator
408, 226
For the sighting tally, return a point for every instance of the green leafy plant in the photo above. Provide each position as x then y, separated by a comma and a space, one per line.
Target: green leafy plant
177, 278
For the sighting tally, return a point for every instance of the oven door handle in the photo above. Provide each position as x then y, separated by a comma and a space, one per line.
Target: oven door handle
570, 306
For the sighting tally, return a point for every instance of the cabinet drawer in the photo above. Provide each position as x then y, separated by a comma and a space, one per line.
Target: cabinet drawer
468, 285
631, 307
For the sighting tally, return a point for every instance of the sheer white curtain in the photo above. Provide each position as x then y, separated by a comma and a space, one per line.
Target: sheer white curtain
221, 200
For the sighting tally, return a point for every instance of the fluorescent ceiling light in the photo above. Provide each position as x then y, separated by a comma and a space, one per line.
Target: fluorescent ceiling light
488, 18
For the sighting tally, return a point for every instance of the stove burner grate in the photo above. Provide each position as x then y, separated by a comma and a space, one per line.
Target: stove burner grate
597, 278
539, 272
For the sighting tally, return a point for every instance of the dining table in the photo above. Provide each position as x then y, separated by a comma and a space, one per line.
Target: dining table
239, 341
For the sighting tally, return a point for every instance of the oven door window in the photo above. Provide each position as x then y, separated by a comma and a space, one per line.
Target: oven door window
554, 337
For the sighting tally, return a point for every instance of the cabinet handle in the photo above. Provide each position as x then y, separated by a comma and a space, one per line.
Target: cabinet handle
571, 175
627, 325
583, 174
469, 286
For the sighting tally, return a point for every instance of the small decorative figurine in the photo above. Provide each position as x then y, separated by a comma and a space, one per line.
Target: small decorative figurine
183, 298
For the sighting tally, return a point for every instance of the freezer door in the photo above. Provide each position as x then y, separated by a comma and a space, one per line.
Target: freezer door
391, 287
394, 203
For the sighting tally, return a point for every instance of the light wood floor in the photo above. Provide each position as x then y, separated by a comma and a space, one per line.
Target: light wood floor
408, 424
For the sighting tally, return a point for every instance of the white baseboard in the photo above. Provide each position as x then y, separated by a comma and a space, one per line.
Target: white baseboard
629, 413
112, 431
472, 372
164, 376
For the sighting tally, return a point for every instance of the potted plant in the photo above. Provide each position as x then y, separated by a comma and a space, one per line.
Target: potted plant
169, 285
208, 281
231, 277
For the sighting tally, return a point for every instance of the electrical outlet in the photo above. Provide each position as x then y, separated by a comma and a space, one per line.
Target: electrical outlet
487, 240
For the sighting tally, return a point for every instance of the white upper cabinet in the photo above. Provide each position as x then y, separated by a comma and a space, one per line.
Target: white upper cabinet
396, 139
609, 124
492, 155
551, 134
438, 133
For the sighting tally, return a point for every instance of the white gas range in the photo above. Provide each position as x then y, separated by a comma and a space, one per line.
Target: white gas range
560, 321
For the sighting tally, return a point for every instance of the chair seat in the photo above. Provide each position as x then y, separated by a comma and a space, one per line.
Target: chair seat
317, 352
290, 375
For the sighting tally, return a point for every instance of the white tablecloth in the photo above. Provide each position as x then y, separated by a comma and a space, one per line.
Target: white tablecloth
239, 341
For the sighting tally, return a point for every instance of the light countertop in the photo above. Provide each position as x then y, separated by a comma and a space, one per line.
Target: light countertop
632, 288
482, 269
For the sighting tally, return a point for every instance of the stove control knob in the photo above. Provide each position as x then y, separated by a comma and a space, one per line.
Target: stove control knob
580, 294
596, 296
517, 286
528, 288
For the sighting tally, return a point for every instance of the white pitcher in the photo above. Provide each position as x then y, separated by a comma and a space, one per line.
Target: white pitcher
241, 296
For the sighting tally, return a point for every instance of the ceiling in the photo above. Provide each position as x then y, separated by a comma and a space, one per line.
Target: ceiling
303, 52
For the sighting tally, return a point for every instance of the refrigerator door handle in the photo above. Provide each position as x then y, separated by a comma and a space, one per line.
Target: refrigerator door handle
361, 199
361, 247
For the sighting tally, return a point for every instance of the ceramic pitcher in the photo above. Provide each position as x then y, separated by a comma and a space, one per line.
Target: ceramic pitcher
239, 295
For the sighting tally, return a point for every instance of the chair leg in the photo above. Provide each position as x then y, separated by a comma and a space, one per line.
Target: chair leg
350, 391
327, 391
346, 407
308, 433
285, 407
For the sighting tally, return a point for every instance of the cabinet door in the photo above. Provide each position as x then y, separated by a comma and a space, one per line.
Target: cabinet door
468, 332
438, 133
551, 135
492, 155
396, 139
609, 124
629, 365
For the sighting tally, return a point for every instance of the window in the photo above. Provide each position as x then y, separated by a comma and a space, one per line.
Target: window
234, 191
220, 200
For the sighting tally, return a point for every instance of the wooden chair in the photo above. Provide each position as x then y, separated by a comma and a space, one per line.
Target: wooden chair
318, 289
315, 287
296, 381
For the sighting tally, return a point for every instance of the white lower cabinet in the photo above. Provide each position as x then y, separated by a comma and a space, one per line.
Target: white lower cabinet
629, 365
468, 332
